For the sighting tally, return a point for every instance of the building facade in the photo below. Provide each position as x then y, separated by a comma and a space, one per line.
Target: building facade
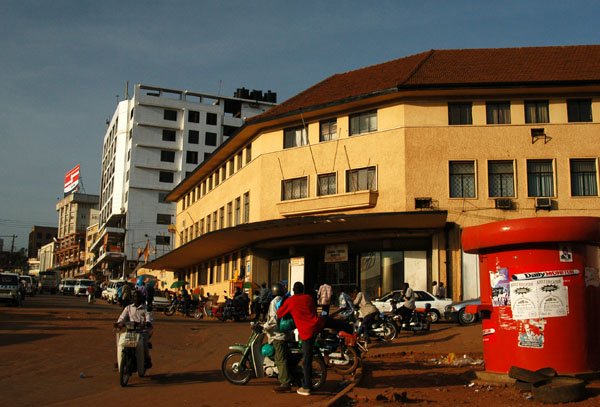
47, 256
153, 141
38, 237
75, 213
368, 178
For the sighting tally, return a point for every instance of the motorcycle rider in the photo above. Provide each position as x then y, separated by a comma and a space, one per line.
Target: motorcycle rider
241, 300
367, 311
137, 312
406, 310
278, 338
345, 308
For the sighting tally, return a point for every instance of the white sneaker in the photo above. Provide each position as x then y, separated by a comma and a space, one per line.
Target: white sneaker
302, 391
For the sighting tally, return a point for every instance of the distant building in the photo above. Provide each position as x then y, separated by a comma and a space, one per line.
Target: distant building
91, 235
47, 256
153, 142
75, 213
39, 236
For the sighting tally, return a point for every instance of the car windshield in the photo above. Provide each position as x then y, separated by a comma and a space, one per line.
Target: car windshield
86, 282
70, 282
8, 280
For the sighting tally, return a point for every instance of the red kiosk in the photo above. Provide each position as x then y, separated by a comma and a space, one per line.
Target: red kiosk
540, 293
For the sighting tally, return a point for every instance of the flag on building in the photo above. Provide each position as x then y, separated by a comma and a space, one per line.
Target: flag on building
147, 251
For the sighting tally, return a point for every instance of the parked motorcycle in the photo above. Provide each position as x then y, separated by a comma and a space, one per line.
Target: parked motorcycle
176, 306
382, 327
202, 310
247, 361
233, 310
418, 320
130, 351
341, 351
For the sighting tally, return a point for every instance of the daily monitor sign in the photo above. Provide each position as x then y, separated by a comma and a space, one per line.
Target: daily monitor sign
71, 180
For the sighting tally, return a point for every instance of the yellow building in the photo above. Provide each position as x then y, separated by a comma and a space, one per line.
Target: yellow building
368, 177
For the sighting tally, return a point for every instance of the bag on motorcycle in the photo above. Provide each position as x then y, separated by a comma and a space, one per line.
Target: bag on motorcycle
287, 323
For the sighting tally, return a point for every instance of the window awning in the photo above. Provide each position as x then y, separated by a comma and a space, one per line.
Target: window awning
228, 240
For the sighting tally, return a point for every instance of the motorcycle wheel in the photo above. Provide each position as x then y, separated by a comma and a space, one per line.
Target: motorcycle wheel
124, 373
198, 315
319, 372
170, 311
234, 371
353, 359
389, 331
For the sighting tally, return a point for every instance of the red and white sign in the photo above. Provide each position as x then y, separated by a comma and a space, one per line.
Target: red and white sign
72, 179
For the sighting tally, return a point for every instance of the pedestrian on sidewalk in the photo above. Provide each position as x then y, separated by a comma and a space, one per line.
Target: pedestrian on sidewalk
442, 290
324, 297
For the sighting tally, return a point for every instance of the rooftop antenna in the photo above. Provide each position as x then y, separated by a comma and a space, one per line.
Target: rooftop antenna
220, 83
127, 90
117, 96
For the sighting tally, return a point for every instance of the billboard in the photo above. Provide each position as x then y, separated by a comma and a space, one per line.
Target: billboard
71, 180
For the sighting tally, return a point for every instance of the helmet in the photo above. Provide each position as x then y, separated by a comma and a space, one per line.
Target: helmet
277, 290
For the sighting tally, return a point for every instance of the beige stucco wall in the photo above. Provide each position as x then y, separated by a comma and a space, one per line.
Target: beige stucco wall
411, 151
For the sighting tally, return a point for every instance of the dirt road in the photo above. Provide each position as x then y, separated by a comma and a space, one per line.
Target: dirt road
48, 343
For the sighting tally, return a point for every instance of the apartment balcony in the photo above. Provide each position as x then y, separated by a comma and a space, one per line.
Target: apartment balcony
328, 203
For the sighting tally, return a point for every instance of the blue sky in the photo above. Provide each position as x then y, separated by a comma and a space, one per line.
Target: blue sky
65, 62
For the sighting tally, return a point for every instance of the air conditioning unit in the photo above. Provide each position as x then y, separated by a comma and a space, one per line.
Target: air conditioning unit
543, 203
423, 203
503, 203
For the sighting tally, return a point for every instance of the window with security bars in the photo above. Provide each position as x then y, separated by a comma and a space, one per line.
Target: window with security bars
498, 112
295, 137
583, 177
361, 179
296, 188
328, 130
579, 110
462, 179
536, 111
327, 184
362, 123
460, 113
540, 178
501, 179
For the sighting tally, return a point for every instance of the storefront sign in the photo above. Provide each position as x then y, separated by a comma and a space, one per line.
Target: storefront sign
544, 274
336, 252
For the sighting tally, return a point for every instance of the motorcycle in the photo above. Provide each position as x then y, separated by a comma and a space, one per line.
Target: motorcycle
341, 351
130, 351
382, 327
232, 310
247, 361
176, 306
202, 310
418, 320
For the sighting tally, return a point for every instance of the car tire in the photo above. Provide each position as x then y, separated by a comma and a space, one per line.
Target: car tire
466, 319
434, 316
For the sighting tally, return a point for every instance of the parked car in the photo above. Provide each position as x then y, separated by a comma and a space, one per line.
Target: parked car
384, 304
81, 286
161, 301
69, 286
455, 312
9, 288
110, 294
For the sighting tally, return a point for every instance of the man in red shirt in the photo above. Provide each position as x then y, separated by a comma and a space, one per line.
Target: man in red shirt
304, 312
303, 309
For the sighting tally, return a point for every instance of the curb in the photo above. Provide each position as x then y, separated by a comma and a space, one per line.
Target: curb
355, 380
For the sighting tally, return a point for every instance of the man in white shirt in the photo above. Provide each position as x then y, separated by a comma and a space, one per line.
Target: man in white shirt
137, 312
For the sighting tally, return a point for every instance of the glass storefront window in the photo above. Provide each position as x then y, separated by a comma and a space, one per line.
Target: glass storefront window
279, 271
381, 272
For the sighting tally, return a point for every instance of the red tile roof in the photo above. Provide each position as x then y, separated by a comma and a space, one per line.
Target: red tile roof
442, 68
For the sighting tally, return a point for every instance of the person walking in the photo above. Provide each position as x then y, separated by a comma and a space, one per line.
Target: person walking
406, 310
279, 339
435, 289
125, 295
150, 294
324, 297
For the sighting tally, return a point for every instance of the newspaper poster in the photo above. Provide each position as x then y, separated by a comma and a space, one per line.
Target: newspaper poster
553, 297
500, 287
524, 302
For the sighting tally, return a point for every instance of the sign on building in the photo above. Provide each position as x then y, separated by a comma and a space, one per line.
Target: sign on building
71, 180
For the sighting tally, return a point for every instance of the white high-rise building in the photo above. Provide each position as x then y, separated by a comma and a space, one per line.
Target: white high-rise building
153, 141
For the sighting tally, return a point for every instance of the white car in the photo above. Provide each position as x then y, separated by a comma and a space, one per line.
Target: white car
81, 286
438, 305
